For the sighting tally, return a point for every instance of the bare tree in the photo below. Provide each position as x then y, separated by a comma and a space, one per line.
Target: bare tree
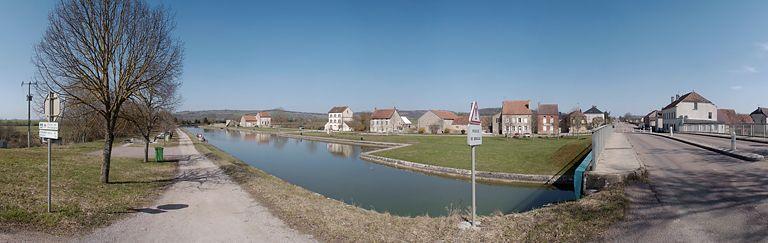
148, 109
100, 53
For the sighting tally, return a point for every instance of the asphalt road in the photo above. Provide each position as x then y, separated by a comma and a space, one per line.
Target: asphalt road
746, 146
693, 195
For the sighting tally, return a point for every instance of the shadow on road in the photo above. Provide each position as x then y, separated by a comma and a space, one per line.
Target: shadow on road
159, 209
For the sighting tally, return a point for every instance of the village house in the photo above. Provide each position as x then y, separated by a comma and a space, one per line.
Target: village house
548, 119
460, 125
435, 121
248, 121
595, 117
691, 108
652, 120
760, 116
339, 118
515, 118
264, 118
407, 124
386, 121
728, 117
577, 122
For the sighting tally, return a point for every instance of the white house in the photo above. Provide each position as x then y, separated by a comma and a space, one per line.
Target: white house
339, 118
248, 121
760, 116
592, 116
386, 121
691, 108
261, 119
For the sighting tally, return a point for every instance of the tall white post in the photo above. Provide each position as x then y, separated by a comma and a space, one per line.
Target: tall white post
733, 139
474, 202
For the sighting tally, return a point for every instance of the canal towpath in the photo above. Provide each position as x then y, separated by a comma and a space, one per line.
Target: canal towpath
204, 205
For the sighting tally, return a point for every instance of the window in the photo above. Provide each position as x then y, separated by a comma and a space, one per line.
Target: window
696, 106
519, 119
710, 115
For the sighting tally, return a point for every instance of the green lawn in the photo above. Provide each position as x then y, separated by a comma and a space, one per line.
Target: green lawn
80, 201
545, 156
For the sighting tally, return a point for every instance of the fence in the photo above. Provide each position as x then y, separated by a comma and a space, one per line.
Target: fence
599, 138
748, 130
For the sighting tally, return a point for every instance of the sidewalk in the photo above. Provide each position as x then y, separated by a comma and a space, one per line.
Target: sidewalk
204, 205
617, 163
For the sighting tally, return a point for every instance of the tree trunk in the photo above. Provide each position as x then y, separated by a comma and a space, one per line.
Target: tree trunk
146, 149
108, 141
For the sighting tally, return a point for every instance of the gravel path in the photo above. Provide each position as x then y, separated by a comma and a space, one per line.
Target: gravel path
203, 206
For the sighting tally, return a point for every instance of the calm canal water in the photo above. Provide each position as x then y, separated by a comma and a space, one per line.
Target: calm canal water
336, 171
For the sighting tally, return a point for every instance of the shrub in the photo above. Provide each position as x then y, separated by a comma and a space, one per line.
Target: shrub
422, 130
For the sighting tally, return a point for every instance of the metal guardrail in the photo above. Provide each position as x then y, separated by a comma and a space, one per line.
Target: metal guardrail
578, 175
599, 139
746, 129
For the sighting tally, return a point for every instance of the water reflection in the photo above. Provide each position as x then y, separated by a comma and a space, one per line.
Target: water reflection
341, 174
341, 150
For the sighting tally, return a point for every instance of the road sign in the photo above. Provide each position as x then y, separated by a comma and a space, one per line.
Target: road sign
52, 106
475, 130
49, 134
53, 126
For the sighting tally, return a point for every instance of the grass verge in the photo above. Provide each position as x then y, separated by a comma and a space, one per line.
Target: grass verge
80, 201
544, 156
331, 220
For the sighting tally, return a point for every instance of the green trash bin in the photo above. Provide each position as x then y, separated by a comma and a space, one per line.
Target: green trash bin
158, 154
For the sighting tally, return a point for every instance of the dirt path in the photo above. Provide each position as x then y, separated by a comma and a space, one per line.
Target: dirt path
204, 206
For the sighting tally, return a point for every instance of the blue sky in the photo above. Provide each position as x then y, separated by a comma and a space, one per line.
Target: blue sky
624, 56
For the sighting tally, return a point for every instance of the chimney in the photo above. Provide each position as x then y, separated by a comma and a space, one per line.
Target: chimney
671, 99
677, 96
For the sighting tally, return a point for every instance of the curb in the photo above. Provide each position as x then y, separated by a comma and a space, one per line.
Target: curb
499, 177
735, 154
742, 138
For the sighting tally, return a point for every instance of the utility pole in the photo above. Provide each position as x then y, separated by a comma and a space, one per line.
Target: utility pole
29, 111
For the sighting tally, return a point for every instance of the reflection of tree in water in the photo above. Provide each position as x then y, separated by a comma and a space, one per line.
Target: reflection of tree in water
280, 142
341, 150
311, 146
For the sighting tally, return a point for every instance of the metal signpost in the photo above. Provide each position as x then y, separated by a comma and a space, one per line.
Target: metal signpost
474, 138
50, 130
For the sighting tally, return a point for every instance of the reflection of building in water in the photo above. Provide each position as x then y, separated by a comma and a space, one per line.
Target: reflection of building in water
341, 150
257, 137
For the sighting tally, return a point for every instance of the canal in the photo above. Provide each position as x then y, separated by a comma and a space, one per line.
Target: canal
336, 171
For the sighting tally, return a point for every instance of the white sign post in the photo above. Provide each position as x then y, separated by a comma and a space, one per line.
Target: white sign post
50, 130
474, 138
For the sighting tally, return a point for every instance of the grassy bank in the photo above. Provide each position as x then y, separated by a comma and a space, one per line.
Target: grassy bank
332, 220
80, 201
544, 156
